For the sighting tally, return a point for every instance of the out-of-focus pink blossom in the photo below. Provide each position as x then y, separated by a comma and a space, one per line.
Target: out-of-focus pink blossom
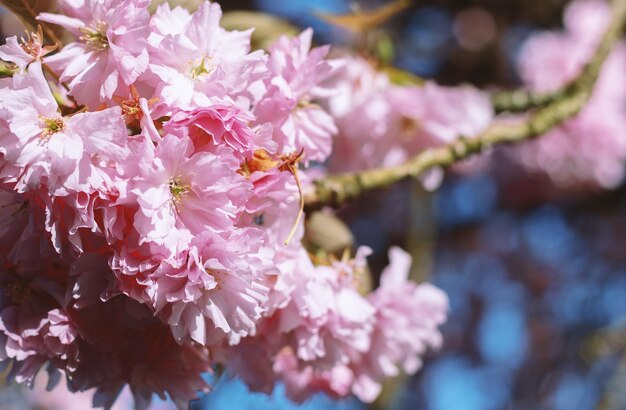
590, 149
382, 124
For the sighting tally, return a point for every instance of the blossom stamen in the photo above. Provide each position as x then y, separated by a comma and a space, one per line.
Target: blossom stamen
203, 68
96, 37
33, 44
52, 125
178, 189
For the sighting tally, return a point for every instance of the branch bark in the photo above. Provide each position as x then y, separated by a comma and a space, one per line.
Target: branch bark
556, 108
523, 100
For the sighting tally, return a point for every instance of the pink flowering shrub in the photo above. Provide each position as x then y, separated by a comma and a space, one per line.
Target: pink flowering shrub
144, 212
589, 149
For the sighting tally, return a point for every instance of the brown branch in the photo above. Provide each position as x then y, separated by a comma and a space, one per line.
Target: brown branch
336, 189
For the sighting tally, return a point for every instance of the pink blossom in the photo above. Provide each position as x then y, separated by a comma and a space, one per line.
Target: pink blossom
65, 153
167, 21
223, 125
331, 339
125, 344
13, 52
143, 244
219, 293
24, 51
32, 330
181, 193
297, 74
111, 49
363, 114
407, 320
202, 59
324, 324
587, 19
588, 150
302, 382
386, 124
435, 114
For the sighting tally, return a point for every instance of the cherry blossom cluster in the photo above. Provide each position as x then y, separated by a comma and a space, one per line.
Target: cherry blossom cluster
590, 149
381, 123
150, 177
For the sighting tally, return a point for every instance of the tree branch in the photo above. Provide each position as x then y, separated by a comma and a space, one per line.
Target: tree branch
523, 100
562, 105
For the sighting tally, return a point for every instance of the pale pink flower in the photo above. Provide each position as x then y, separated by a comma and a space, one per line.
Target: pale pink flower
590, 149
303, 382
123, 343
311, 338
219, 293
587, 19
167, 21
407, 320
289, 102
203, 60
65, 153
14, 53
382, 124
363, 114
436, 114
182, 193
143, 261
24, 51
330, 339
354, 85
111, 48
33, 330
223, 124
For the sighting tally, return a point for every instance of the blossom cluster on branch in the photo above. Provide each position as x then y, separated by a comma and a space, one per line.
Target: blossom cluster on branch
151, 177
382, 124
590, 149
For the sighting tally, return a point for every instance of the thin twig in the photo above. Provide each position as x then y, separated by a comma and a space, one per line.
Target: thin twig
336, 189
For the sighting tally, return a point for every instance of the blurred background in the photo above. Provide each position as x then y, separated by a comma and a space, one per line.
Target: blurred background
536, 274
